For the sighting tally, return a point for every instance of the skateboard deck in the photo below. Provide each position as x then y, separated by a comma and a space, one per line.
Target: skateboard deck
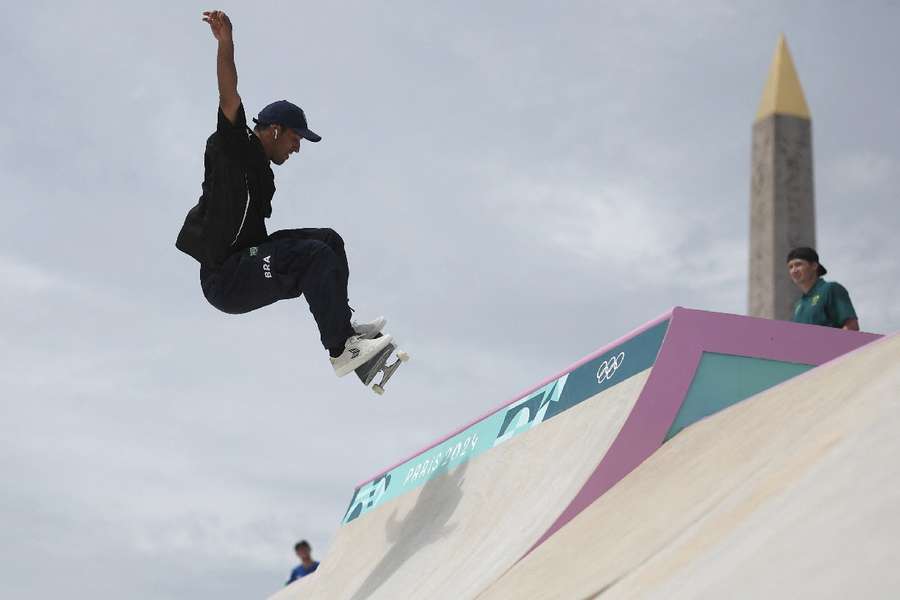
369, 370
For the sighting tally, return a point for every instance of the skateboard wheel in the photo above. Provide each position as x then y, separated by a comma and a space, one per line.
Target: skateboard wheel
403, 356
378, 389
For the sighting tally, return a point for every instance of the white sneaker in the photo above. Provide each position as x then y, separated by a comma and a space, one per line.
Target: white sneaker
357, 351
370, 329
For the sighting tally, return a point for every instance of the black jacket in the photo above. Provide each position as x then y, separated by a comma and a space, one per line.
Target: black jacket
238, 185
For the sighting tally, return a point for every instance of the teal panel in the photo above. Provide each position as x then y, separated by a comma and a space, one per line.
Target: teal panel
586, 381
724, 379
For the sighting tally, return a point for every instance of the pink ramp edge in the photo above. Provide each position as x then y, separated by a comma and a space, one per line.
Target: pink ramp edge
690, 333
530, 390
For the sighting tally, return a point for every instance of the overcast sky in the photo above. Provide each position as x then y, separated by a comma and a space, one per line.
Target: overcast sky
517, 184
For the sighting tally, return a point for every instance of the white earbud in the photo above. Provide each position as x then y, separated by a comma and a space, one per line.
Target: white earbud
276, 135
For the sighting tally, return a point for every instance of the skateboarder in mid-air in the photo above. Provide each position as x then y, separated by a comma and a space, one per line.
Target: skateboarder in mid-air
242, 268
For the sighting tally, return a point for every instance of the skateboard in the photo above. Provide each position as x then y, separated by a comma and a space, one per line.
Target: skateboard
369, 370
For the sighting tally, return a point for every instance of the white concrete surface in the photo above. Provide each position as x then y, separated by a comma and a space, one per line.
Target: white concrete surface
794, 493
458, 533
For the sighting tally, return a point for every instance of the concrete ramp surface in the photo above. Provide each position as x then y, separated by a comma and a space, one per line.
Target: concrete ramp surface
792, 494
450, 520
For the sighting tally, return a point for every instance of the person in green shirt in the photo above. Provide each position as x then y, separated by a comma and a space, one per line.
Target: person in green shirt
823, 302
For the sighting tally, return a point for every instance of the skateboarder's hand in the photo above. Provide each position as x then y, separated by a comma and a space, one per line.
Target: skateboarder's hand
219, 23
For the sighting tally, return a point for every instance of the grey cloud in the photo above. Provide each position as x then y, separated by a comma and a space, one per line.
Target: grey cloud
517, 185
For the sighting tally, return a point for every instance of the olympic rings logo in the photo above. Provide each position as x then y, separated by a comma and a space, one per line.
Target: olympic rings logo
609, 367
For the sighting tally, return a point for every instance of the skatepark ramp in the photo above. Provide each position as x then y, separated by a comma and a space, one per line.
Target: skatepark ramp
791, 494
451, 520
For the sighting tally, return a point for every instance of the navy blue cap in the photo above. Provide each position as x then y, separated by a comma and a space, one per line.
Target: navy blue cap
286, 114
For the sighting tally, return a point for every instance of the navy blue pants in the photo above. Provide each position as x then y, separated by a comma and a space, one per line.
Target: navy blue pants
287, 264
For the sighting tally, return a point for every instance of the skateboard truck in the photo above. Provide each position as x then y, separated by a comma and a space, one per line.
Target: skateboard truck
369, 370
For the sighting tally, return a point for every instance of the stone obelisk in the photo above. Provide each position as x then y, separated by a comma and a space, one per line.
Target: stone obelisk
782, 208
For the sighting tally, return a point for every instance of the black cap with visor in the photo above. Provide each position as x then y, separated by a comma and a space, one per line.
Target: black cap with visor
809, 255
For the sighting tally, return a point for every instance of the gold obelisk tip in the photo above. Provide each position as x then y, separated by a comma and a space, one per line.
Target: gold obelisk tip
783, 94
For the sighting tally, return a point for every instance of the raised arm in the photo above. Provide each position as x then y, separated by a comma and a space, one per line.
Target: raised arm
226, 72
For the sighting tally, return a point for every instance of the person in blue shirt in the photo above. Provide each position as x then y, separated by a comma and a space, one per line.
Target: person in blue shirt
823, 302
307, 564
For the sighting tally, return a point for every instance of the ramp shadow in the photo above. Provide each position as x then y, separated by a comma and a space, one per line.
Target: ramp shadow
424, 524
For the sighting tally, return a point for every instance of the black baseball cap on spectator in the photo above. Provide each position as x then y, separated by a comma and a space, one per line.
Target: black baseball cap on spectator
286, 114
809, 255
